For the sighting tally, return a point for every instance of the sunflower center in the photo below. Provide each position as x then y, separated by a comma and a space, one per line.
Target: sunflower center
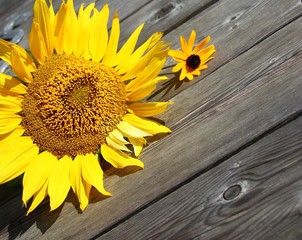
79, 96
193, 61
72, 105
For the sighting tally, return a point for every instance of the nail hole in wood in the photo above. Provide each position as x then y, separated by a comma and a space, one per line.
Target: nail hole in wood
273, 60
233, 27
232, 192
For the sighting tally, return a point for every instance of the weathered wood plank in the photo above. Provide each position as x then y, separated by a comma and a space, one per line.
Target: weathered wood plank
265, 102
235, 26
124, 8
239, 73
123, 188
164, 15
256, 194
8, 6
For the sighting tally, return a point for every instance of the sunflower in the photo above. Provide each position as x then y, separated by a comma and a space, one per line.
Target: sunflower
192, 61
76, 98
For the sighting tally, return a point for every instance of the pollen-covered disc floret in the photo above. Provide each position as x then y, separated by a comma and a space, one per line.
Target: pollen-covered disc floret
76, 97
72, 105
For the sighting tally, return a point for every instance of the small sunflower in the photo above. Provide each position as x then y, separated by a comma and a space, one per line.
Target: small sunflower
192, 61
74, 98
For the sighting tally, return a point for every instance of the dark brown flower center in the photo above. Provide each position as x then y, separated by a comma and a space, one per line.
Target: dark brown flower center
193, 61
72, 105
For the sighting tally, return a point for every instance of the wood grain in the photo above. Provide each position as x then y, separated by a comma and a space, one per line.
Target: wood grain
165, 15
236, 76
267, 204
196, 145
235, 27
253, 84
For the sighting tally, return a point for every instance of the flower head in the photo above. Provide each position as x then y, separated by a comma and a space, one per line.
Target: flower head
76, 98
192, 60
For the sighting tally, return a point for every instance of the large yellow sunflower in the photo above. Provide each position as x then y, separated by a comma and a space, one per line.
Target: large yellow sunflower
74, 97
192, 60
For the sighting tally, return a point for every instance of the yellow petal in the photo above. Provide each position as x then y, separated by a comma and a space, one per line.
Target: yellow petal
117, 136
87, 188
86, 54
59, 183
116, 140
93, 173
84, 29
145, 125
118, 159
177, 55
10, 104
20, 61
113, 41
210, 58
183, 73
38, 198
116, 145
12, 148
157, 53
37, 174
5, 51
99, 38
129, 130
66, 28
37, 44
191, 41
8, 122
138, 144
128, 47
205, 53
79, 186
179, 66
196, 72
43, 16
149, 72
135, 58
10, 85
190, 76
22, 64
201, 44
149, 109
201, 67
16, 133
184, 46
144, 90
16, 155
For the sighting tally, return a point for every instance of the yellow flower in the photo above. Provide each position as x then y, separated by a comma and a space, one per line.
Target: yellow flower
192, 61
77, 98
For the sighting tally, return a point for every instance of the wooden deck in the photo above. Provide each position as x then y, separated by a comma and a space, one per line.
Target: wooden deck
232, 168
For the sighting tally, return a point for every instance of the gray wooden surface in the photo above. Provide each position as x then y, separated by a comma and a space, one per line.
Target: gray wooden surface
232, 167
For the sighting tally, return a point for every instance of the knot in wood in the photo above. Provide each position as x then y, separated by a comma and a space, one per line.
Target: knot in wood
232, 192
163, 12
